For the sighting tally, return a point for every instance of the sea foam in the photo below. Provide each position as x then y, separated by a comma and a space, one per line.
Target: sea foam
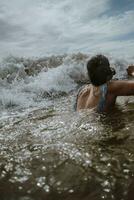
26, 82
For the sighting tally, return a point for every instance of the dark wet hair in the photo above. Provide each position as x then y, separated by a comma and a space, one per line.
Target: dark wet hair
99, 70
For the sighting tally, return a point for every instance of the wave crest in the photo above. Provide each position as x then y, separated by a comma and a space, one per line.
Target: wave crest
24, 81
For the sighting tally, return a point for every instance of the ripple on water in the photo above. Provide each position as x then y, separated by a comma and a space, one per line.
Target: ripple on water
57, 153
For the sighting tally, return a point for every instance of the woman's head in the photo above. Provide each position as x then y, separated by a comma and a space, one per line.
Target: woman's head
99, 70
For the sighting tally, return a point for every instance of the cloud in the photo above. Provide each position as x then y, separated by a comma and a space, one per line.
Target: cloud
8, 31
32, 27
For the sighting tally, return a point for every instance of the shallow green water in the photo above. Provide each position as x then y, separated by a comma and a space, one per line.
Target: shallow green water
57, 153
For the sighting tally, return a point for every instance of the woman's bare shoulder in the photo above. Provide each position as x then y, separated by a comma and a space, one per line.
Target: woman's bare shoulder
84, 90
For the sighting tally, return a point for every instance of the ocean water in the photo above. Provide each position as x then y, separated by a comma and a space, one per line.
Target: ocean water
50, 151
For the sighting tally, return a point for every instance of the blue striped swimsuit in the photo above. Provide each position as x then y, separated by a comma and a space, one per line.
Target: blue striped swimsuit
102, 100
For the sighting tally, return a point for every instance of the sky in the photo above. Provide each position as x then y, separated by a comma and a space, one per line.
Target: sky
43, 27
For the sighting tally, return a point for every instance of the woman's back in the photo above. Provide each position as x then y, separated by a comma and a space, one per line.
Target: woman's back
92, 97
86, 98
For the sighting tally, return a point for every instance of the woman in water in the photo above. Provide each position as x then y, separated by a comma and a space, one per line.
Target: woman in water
101, 94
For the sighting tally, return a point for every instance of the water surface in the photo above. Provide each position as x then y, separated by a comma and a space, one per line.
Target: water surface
50, 151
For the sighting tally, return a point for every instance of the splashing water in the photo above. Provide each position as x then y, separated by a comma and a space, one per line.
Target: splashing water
49, 151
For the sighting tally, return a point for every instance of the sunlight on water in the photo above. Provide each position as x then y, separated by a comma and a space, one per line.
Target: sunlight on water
49, 151
60, 153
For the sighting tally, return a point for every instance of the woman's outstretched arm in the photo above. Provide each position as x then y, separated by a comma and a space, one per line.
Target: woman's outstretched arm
121, 88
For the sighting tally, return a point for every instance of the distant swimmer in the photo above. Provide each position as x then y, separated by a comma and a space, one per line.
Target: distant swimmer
101, 94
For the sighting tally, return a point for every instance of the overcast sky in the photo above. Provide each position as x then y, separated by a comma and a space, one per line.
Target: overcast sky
39, 27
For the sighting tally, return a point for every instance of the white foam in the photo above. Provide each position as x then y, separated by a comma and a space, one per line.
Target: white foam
10, 98
25, 91
60, 79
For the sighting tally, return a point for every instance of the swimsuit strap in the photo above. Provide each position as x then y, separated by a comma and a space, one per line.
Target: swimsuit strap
102, 101
79, 90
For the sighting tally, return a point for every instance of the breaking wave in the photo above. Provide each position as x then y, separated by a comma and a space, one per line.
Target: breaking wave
25, 82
